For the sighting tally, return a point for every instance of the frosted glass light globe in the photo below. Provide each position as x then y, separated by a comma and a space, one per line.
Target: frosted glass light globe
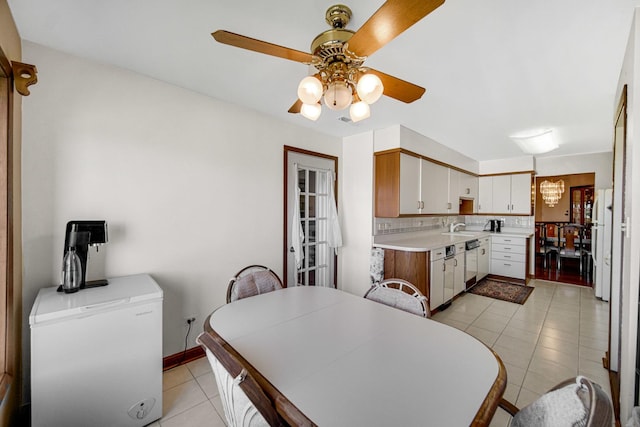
359, 111
310, 90
369, 88
311, 111
338, 96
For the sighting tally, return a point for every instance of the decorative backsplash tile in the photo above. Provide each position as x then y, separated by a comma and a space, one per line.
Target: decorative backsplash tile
383, 226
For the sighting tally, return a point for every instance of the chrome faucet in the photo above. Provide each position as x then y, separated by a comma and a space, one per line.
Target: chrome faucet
452, 227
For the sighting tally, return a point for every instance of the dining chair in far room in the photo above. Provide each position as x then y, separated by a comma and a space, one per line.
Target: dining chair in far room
577, 401
571, 246
551, 244
244, 402
252, 280
399, 294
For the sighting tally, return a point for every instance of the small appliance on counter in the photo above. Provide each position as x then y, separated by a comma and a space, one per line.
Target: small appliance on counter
496, 224
78, 237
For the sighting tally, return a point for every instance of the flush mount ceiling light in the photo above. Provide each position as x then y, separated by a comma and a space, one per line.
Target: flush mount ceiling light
340, 79
536, 141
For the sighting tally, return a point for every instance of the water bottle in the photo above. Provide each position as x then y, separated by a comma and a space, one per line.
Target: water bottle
71, 271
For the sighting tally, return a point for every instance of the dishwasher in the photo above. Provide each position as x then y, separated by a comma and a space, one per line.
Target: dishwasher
471, 262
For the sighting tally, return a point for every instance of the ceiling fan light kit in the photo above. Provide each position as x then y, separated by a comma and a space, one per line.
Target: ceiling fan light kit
338, 54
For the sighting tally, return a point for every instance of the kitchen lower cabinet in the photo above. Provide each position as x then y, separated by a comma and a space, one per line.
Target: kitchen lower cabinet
410, 266
484, 258
459, 284
509, 256
436, 284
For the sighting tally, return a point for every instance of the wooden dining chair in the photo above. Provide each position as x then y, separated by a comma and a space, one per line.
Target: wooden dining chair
244, 402
550, 244
399, 294
252, 280
575, 401
572, 247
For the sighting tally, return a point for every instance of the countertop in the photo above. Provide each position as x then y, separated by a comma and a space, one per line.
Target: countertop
422, 241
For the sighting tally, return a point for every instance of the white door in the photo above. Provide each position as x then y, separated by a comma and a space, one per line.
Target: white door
619, 267
313, 175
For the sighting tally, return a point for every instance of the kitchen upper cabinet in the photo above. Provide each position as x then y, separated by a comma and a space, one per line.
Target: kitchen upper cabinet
505, 194
434, 183
453, 202
485, 194
409, 184
468, 186
521, 193
397, 184
406, 184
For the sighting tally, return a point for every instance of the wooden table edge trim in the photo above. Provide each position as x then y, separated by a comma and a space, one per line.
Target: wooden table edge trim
287, 410
490, 404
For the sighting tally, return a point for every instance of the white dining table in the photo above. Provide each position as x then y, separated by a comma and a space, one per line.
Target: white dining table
343, 360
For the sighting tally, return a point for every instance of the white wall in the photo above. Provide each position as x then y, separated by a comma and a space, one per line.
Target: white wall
600, 163
516, 164
191, 187
398, 136
357, 212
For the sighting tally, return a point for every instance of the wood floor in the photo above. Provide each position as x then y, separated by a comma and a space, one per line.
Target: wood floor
569, 273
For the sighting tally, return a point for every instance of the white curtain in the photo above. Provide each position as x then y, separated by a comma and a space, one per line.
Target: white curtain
335, 234
297, 232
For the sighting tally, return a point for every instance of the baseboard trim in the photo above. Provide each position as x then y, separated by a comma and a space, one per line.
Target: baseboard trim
181, 358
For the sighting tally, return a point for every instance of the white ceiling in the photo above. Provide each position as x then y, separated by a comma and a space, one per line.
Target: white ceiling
491, 68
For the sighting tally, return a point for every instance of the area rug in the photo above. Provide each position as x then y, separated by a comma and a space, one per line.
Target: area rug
504, 291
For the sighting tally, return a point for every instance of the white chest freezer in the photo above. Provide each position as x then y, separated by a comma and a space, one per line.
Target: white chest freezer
96, 355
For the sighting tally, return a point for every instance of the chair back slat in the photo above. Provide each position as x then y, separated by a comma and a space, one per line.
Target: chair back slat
400, 294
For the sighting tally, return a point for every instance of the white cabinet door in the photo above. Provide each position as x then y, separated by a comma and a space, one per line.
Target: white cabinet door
468, 186
485, 194
521, 194
434, 182
409, 184
484, 258
454, 197
502, 194
449, 280
436, 285
459, 283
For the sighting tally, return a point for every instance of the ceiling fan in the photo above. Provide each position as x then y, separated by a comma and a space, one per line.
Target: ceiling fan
338, 55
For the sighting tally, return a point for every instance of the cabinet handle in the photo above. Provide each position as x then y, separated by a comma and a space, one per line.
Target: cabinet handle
511, 208
507, 208
444, 267
507, 265
455, 262
421, 205
483, 252
507, 249
448, 206
418, 204
507, 256
507, 240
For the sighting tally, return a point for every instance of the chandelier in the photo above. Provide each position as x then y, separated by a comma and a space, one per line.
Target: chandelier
340, 80
551, 191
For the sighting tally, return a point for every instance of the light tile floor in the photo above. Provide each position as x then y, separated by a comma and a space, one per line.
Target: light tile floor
560, 332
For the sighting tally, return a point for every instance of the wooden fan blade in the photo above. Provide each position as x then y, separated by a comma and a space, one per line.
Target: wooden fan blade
260, 46
399, 89
295, 108
388, 22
